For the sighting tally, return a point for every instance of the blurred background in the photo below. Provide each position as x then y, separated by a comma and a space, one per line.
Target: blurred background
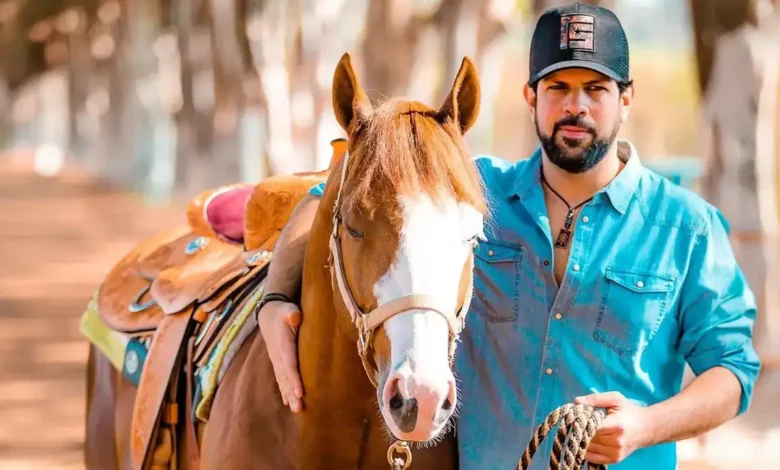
113, 114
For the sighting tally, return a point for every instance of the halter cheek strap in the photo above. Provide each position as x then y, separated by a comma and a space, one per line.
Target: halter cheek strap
366, 323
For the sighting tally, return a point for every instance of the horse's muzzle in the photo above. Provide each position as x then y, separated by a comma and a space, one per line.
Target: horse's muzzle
418, 405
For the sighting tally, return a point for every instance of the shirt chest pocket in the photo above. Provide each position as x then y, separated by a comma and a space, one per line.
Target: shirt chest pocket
632, 308
496, 274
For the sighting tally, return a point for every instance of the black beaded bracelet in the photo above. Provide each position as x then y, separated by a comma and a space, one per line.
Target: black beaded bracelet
271, 297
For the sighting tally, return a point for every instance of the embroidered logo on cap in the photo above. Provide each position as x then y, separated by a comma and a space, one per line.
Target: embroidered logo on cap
577, 32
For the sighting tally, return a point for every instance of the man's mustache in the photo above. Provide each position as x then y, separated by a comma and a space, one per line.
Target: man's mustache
574, 121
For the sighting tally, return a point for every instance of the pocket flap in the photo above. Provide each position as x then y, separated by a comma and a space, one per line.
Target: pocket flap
493, 252
640, 282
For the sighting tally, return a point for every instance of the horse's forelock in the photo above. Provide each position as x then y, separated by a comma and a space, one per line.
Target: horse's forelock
403, 148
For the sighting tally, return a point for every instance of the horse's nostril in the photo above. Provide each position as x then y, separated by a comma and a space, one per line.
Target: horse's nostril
396, 403
404, 412
447, 404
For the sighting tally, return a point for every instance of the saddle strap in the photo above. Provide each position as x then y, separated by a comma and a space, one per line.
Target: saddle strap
155, 379
193, 452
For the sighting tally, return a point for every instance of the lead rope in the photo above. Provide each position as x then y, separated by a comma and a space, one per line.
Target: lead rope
579, 423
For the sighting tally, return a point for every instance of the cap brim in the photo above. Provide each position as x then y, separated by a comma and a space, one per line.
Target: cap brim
575, 64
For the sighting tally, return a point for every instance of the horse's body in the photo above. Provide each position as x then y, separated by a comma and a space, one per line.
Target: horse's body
412, 154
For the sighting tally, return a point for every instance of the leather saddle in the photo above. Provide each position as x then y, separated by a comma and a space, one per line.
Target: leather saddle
228, 228
183, 287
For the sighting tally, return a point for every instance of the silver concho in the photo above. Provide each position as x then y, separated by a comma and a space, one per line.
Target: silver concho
131, 362
257, 258
196, 245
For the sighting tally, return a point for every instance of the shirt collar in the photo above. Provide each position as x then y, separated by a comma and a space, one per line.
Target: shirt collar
624, 185
619, 191
529, 176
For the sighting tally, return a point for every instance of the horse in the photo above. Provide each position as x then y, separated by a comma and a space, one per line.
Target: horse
387, 282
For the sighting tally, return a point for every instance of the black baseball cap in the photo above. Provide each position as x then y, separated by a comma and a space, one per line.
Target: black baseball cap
579, 35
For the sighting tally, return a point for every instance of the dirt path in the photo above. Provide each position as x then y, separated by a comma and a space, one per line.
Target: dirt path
57, 238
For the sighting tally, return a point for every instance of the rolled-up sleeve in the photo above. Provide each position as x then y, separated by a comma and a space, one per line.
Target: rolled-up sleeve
317, 190
718, 310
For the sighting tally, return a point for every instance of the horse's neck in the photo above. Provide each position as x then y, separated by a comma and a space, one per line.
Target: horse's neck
340, 403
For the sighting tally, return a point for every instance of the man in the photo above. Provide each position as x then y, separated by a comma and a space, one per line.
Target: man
598, 282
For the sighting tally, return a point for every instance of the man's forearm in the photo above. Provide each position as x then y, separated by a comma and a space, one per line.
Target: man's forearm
709, 401
285, 272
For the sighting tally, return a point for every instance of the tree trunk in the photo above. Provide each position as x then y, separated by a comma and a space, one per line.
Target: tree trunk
79, 75
254, 123
483, 28
740, 106
275, 29
539, 6
194, 124
389, 47
228, 91
132, 158
107, 152
306, 96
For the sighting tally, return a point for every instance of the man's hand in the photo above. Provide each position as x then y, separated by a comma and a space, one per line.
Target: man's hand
624, 430
279, 323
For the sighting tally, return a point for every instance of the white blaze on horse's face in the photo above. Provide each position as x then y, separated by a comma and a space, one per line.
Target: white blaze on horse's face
419, 394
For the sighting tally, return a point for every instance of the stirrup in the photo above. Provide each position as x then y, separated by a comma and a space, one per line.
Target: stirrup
134, 306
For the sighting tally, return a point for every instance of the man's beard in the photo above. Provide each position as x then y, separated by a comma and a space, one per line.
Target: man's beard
585, 158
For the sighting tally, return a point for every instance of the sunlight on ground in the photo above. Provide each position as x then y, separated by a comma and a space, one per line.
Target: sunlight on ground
49, 160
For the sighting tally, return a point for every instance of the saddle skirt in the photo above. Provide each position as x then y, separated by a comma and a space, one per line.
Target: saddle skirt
165, 275
187, 265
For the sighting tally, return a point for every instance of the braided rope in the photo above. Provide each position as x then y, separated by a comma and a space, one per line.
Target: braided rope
579, 424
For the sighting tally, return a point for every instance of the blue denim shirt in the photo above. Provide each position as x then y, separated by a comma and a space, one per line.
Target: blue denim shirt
651, 284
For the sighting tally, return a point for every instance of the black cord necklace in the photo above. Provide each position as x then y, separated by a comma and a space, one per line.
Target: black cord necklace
564, 236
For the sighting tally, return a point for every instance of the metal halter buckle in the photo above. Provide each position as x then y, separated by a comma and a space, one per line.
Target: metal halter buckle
402, 448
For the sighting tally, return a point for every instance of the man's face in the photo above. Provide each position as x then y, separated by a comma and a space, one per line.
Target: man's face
577, 113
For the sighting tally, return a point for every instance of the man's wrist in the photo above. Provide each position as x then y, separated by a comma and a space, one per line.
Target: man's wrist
650, 425
661, 421
270, 298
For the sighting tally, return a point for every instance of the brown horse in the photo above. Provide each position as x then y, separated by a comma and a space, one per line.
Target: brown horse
386, 286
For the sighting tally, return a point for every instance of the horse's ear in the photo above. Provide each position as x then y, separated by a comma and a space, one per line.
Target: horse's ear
462, 102
349, 99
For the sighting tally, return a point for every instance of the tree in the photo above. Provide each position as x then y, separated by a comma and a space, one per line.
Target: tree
738, 54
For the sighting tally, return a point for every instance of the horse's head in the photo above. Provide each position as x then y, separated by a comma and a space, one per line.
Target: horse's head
409, 210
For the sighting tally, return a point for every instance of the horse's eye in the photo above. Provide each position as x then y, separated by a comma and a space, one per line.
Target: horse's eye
354, 233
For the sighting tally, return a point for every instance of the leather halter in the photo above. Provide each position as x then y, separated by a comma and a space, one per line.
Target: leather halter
366, 323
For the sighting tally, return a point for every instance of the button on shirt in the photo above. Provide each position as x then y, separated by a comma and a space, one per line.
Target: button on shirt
651, 284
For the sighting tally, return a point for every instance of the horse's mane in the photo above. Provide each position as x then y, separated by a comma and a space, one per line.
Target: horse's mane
403, 147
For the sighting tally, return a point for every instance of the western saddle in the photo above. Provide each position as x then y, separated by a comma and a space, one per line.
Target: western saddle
182, 288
